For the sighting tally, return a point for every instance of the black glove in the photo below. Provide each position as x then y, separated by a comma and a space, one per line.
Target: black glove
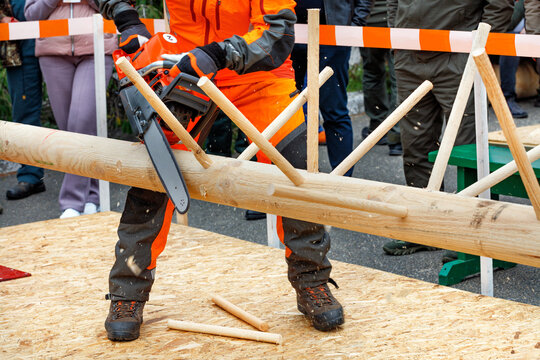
206, 60
133, 33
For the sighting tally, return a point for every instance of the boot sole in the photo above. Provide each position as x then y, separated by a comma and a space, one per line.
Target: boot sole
122, 334
326, 321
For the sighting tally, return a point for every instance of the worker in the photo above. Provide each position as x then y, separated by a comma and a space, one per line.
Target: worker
246, 45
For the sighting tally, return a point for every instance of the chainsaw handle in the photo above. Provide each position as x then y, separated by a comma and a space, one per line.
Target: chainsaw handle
174, 71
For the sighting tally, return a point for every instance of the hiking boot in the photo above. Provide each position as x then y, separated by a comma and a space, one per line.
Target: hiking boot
320, 307
515, 109
448, 256
124, 320
398, 248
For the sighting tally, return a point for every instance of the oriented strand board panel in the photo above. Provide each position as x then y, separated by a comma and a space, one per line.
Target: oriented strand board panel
528, 135
59, 311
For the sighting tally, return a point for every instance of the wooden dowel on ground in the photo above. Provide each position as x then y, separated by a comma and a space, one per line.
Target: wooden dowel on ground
458, 109
164, 112
240, 313
313, 91
250, 130
285, 115
225, 331
498, 175
383, 128
508, 127
313, 196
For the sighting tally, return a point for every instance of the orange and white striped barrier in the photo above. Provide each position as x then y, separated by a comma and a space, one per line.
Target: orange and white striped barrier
422, 39
377, 37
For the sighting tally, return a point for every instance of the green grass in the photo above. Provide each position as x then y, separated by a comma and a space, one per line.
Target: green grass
355, 78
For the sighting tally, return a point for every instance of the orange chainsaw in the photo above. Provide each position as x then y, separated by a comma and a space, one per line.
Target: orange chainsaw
180, 93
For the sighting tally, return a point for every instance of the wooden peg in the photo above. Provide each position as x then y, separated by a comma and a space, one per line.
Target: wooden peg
313, 91
498, 175
250, 130
285, 115
240, 313
383, 128
163, 111
458, 109
225, 331
313, 196
508, 127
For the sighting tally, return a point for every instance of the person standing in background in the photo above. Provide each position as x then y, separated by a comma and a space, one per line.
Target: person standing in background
379, 98
508, 65
67, 63
532, 26
25, 90
421, 128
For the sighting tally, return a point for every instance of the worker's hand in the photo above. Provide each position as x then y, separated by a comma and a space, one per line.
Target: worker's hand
202, 61
133, 38
133, 33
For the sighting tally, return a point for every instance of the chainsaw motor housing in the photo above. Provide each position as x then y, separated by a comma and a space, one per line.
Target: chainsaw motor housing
190, 105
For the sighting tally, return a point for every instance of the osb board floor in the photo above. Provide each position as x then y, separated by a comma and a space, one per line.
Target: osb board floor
528, 135
59, 311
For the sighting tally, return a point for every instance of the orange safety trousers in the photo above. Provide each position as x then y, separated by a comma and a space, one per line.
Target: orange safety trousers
147, 216
260, 103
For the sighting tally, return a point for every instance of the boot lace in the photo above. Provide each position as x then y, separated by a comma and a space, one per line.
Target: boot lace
123, 309
320, 295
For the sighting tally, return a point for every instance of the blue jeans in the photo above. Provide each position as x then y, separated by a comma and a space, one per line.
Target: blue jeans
24, 85
332, 98
508, 66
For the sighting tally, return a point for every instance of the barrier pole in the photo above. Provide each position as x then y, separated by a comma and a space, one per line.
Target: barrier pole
101, 100
482, 159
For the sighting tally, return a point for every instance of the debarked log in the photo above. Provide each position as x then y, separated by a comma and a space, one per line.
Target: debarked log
495, 229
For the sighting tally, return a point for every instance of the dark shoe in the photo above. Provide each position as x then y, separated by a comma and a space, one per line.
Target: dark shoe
254, 215
395, 150
516, 110
382, 141
449, 256
320, 307
124, 320
1, 209
537, 100
24, 189
398, 247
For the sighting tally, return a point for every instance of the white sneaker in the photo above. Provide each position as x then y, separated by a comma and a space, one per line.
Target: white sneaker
69, 213
90, 208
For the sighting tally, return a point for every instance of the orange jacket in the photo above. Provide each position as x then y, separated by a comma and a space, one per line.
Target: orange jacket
257, 35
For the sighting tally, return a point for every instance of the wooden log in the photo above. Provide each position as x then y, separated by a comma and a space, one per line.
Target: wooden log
336, 200
469, 225
240, 313
250, 130
498, 175
456, 114
508, 127
285, 115
383, 128
313, 91
164, 112
225, 331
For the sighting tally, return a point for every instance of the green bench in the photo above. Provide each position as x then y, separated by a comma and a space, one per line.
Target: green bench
464, 158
